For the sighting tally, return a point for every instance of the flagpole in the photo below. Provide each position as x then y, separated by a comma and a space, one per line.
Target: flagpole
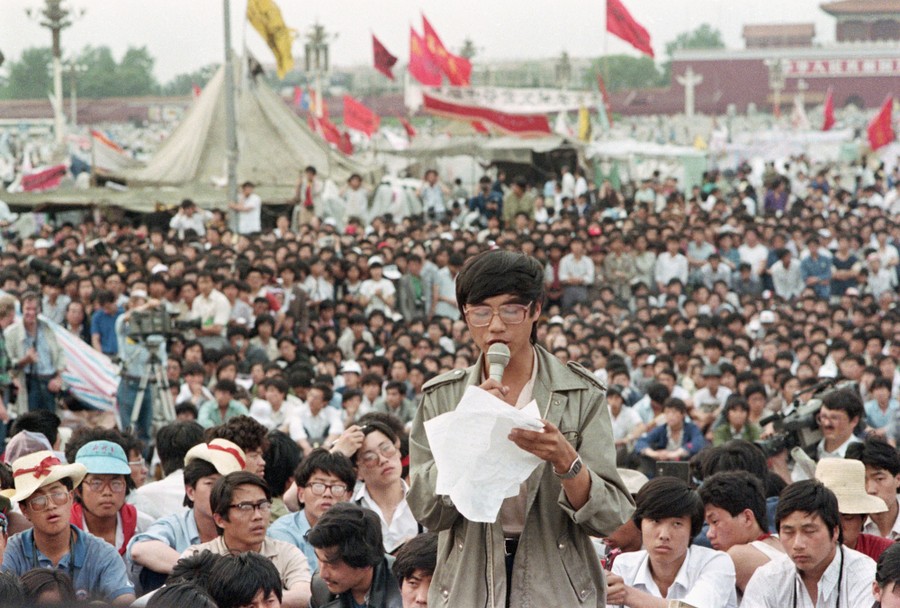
230, 127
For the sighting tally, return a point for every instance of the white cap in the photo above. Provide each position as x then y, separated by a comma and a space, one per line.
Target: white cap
159, 268
351, 367
42, 244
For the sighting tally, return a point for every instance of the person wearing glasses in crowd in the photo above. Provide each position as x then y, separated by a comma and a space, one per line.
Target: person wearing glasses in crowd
99, 506
240, 504
43, 490
574, 494
379, 467
323, 479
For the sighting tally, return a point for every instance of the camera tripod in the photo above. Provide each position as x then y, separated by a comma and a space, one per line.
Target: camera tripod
158, 373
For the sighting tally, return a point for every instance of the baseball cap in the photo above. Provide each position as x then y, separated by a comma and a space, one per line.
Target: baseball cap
103, 458
226, 456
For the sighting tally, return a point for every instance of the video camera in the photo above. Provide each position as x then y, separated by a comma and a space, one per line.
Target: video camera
798, 425
44, 268
157, 323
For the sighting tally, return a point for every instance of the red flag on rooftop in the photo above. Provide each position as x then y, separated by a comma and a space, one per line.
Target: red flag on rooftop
881, 129
359, 117
410, 130
384, 61
457, 69
828, 121
421, 64
619, 22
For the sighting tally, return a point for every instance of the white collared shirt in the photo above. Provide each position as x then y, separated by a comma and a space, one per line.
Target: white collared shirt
403, 524
705, 580
840, 452
775, 584
872, 528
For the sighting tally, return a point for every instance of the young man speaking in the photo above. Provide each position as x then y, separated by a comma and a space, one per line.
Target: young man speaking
538, 552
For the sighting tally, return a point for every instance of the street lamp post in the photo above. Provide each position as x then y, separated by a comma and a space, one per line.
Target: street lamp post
75, 70
317, 59
776, 82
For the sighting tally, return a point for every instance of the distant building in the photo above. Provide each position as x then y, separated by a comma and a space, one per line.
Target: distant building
780, 35
865, 20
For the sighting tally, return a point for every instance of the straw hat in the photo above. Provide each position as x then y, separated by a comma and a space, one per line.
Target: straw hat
226, 456
40, 469
634, 480
847, 479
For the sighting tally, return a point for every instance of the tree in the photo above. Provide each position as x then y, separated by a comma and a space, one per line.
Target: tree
183, 84
99, 78
135, 73
29, 77
625, 72
704, 37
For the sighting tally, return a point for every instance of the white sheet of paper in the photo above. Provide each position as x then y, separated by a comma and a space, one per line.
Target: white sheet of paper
477, 465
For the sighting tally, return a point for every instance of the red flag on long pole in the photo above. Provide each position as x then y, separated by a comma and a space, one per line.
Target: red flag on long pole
359, 117
458, 70
422, 66
619, 22
881, 129
828, 120
384, 61
410, 130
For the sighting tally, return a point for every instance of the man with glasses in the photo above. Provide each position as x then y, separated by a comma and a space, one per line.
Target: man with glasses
43, 489
538, 552
240, 504
323, 479
841, 412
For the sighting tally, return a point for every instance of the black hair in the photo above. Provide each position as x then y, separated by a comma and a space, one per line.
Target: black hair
40, 580
658, 392
846, 400
877, 453
735, 402
237, 579
812, 497
244, 431
44, 422
194, 569
11, 590
194, 471
735, 491
674, 403
418, 553
736, 455
327, 391
664, 497
353, 531
370, 426
282, 457
223, 492
186, 407
181, 594
173, 442
500, 272
888, 570
333, 463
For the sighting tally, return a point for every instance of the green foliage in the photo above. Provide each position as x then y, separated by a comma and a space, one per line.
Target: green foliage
29, 77
704, 37
183, 84
625, 72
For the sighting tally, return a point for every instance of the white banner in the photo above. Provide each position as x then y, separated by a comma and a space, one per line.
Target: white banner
517, 101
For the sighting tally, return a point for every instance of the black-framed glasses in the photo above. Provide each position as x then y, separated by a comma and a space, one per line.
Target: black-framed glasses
481, 315
337, 489
39, 503
386, 449
245, 508
97, 484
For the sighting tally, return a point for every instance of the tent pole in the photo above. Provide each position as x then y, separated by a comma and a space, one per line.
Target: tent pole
230, 128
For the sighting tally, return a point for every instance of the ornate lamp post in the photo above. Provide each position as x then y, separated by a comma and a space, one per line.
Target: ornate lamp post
317, 59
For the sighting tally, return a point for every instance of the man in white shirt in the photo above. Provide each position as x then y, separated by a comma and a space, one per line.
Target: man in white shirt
211, 307
377, 292
248, 210
821, 571
882, 480
786, 277
669, 515
576, 273
315, 423
189, 218
753, 252
671, 264
840, 414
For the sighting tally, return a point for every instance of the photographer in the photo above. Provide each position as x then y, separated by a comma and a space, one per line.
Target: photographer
135, 357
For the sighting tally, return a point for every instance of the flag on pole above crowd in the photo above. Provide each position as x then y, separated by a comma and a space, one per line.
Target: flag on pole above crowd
357, 116
265, 17
828, 120
407, 126
384, 61
619, 22
881, 128
422, 66
458, 70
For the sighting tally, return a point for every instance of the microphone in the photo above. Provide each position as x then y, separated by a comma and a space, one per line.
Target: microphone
498, 359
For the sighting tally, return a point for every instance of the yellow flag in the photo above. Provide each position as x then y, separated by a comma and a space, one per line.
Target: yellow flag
584, 124
265, 17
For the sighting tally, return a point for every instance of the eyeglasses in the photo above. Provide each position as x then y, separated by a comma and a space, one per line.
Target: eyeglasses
39, 503
263, 506
386, 449
337, 489
96, 484
510, 314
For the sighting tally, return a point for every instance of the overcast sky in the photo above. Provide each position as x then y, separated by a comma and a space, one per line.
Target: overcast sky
183, 35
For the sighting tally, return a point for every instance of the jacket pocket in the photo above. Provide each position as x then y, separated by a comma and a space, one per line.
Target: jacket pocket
576, 568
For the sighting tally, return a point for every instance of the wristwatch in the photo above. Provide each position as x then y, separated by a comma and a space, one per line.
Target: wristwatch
574, 469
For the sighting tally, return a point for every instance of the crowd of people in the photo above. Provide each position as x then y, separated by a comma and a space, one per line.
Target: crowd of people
301, 355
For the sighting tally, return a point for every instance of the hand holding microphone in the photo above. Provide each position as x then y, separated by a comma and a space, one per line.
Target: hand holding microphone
498, 358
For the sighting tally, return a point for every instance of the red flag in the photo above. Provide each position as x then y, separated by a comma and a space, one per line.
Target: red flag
43, 180
606, 105
410, 130
880, 129
298, 97
828, 122
196, 90
384, 61
457, 69
479, 127
619, 22
359, 117
421, 63
513, 124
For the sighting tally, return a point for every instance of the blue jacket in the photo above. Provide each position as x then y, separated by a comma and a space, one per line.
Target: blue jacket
692, 439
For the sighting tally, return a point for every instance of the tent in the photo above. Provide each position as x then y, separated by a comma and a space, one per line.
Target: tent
635, 160
274, 145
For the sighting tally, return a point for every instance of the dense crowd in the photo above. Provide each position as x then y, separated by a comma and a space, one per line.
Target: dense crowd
295, 350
